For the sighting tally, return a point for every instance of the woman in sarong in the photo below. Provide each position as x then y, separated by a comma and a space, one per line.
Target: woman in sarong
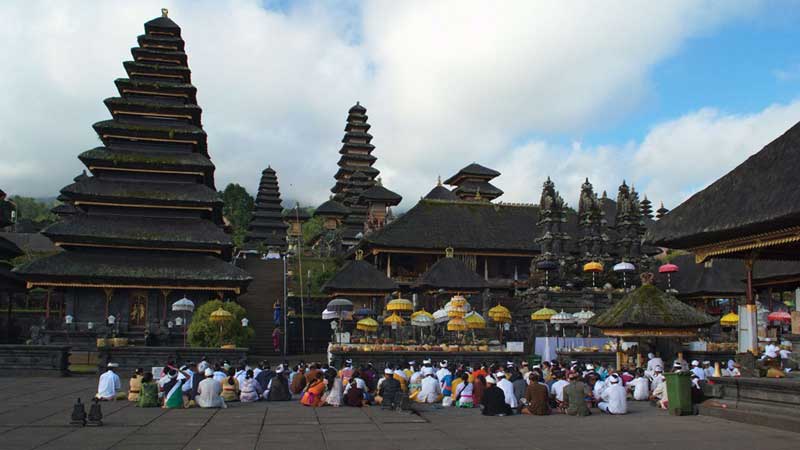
312, 396
250, 388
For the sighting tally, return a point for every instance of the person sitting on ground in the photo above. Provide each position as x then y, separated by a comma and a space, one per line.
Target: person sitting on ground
390, 390
463, 393
148, 394
508, 390
478, 388
250, 389
354, 395
173, 397
264, 375
109, 384
575, 397
659, 395
519, 383
430, 390
230, 387
219, 374
135, 385
312, 396
209, 392
298, 380
536, 398
653, 361
614, 398
639, 387
494, 400
278, 388
335, 390
557, 390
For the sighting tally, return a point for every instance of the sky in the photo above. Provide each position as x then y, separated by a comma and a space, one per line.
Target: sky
668, 96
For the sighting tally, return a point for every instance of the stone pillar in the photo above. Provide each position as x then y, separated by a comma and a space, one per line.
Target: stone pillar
748, 327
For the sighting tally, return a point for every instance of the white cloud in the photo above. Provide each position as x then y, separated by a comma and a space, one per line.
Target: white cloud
446, 83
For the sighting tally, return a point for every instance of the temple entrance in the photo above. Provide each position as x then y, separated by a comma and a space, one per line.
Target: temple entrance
137, 317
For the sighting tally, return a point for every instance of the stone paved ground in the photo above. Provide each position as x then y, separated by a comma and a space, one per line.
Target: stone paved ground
34, 414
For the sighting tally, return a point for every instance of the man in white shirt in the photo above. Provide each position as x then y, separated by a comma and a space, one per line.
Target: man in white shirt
657, 379
698, 371
614, 397
430, 390
557, 388
508, 390
652, 362
708, 369
771, 351
109, 383
443, 371
640, 386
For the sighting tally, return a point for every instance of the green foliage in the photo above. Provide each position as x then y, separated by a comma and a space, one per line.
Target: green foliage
312, 227
31, 209
238, 209
205, 333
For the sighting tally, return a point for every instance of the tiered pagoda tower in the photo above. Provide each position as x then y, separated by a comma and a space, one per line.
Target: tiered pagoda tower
379, 201
552, 217
647, 208
148, 225
267, 228
472, 183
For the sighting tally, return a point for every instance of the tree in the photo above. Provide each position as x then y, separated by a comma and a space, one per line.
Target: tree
238, 209
29, 208
205, 333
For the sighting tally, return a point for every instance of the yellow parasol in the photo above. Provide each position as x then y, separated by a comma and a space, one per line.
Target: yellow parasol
458, 300
543, 314
729, 320
500, 314
220, 315
457, 311
457, 324
475, 321
421, 312
593, 266
369, 325
400, 304
394, 319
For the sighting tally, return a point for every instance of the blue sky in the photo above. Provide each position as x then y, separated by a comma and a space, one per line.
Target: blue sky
666, 95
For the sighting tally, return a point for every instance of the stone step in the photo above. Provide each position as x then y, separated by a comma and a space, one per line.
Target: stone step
754, 413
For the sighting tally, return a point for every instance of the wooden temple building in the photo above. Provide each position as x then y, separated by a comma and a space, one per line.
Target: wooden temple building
267, 228
145, 227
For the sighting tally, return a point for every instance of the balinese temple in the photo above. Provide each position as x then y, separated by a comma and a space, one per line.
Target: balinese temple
147, 228
360, 282
8, 211
356, 175
295, 218
267, 228
473, 183
450, 275
328, 242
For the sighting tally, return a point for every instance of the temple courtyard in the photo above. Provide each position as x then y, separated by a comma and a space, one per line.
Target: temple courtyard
35, 413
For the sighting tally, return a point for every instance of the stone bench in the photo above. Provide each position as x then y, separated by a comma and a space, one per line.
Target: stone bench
41, 360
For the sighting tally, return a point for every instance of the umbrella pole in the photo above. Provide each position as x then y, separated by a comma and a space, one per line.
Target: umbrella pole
619, 353
185, 326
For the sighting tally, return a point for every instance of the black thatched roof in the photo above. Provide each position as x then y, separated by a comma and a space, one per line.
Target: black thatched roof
440, 192
359, 276
719, 278
9, 249
296, 213
332, 208
31, 242
484, 188
9, 281
98, 189
473, 170
650, 308
776, 273
134, 269
379, 193
451, 274
766, 183
435, 224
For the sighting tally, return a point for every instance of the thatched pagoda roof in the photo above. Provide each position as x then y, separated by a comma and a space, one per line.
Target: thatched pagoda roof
649, 311
452, 275
359, 277
766, 183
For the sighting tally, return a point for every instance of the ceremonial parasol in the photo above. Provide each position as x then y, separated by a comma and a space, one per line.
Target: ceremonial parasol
729, 320
543, 315
394, 320
780, 316
331, 315
339, 305
475, 321
624, 267
368, 325
593, 267
500, 315
422, 320
220, 316
546, 266
668, 269
456, 311
400, 304
363, 312
582, 317
458, 300
456, 324
183, 306
440, 316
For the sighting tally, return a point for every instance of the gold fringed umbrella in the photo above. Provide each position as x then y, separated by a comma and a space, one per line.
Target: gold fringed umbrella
500, 314
475, 321
394, 319
220, 316
729, 320
369, 325
458, 300
400, 304
457, 324
543, 314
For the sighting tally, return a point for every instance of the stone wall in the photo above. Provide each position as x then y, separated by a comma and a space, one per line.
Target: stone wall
130, 358
38, 360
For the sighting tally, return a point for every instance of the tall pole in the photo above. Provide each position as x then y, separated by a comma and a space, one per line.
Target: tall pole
285, 323
751, 319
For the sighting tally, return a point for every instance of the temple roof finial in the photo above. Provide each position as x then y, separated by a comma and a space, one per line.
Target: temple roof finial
439, 180
164, 12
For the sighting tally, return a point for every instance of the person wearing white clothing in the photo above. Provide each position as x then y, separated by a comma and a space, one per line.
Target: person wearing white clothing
557, 388
640, 386
430, 389
698, 371
508, 390
653, 361
443, 371
614, 397
209, 392
109, 384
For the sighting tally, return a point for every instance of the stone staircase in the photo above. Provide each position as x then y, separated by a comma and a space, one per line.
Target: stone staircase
266, 287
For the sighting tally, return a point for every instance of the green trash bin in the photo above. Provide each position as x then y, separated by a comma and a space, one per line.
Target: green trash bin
679, 393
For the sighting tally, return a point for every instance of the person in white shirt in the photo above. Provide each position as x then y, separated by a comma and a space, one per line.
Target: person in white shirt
652, 362
708, 369
508, 390
109, 384
657, 379
360, 383
557, 388
698, 371
640, 386
219, 375
614, 397
209, 392
771, 351
430, 389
